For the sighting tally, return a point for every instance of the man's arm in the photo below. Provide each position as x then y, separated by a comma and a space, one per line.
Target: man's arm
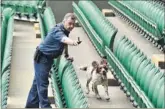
69, 41
66, 50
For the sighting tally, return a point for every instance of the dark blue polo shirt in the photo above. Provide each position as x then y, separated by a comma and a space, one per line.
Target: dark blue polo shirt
52, 44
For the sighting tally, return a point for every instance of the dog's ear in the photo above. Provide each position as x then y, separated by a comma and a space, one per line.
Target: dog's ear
94, 63
104, 61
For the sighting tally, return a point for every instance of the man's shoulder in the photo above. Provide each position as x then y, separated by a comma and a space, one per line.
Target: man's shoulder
58, 26
57, 30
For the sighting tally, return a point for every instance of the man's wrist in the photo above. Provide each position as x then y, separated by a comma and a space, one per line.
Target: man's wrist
74, 44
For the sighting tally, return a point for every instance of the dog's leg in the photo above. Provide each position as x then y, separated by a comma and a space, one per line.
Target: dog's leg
87, 85
94, 86
106, 91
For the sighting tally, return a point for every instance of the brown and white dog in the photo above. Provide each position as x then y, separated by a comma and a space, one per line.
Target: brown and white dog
97, 74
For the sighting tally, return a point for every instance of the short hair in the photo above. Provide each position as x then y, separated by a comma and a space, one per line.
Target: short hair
69, 15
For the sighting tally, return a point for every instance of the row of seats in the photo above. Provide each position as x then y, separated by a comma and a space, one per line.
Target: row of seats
163, 1
96, 40
141, 69
6, 16
92, 28
24, 7
97, 21
136, 89
66, 87
152, 11
98, 44
6, 49
57, 88
70, 84
127, 83
60, 100
147, 15
46, 21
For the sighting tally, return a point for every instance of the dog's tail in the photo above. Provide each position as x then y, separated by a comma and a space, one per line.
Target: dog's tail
84, 68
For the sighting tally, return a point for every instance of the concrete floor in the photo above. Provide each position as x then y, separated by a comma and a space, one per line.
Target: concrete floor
84, 54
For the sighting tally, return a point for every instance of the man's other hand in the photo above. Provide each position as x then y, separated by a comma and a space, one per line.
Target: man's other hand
70, 59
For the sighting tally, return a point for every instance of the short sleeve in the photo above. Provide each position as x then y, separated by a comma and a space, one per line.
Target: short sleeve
59, 36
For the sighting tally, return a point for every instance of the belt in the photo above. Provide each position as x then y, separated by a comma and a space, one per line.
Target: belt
51, 56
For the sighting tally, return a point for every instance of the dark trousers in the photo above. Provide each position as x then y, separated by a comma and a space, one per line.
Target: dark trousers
38, 95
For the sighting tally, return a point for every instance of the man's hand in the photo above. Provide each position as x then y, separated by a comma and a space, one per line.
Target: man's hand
66, 55
70, 59
75, 43
69, 41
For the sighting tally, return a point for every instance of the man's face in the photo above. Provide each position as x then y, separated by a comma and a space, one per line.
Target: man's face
69, 24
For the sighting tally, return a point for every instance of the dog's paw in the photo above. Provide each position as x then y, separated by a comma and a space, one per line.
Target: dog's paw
98, 97
92, 89
108, 99
87, 91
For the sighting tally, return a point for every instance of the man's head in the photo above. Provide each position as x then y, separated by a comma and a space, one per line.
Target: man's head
69, 21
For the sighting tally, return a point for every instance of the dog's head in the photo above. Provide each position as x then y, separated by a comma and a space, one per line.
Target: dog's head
102, 71
104, 63
103, 68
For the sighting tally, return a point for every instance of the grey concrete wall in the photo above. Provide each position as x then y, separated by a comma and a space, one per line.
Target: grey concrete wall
60, 8
101, 4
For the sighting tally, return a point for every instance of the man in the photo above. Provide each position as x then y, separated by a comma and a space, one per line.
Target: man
52, 47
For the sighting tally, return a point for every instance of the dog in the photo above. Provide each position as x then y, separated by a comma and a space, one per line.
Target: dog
97, 74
